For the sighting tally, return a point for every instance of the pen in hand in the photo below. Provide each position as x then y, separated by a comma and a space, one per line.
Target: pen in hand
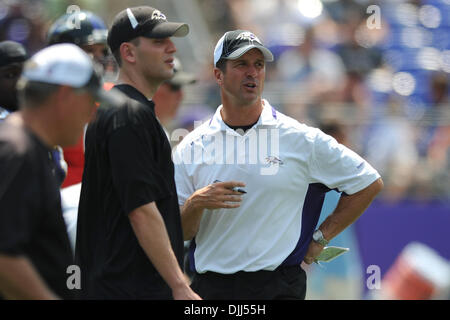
234, 189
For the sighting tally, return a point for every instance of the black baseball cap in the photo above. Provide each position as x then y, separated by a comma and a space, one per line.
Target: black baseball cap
234, 44
143, 21
11, 52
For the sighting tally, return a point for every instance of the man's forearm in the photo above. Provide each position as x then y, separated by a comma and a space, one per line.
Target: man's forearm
190, 218
349, 209
151, 233
218, 195
20, 281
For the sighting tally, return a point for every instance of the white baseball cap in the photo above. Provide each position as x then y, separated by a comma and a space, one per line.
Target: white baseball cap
67, 64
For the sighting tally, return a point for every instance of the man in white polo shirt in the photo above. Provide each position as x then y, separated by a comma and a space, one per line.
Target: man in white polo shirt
251, 183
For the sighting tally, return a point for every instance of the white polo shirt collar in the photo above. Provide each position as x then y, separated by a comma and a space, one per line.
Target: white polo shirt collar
268, 117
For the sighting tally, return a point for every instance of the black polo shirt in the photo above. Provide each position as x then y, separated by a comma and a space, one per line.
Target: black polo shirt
127, 164
31, 221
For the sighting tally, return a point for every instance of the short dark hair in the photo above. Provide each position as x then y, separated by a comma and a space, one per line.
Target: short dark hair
116, 53
34, 93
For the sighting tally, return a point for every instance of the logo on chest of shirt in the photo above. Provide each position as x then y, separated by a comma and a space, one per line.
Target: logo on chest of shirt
272, 160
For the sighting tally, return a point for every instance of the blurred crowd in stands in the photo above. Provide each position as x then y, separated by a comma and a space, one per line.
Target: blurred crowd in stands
374, 72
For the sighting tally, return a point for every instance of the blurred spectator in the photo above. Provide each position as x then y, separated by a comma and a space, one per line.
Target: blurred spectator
23, 21
215, 11
311, 73
12, 57
357, 55
308, 62
340, 11
438, 151
88, 31
358, 61
439, 160
83, 28
169, 96
437, 105
391, 149
439, 89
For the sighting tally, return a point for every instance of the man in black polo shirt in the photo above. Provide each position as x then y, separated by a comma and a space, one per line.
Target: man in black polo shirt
129, 237
57, 94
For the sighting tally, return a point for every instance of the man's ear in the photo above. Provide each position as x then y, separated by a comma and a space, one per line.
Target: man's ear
218, 75
127, 52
